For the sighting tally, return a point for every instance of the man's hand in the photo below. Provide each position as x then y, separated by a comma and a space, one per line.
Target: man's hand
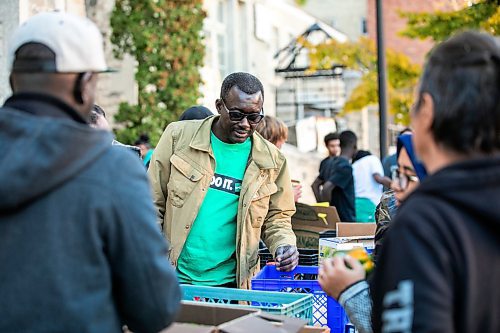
287, 258
338, 273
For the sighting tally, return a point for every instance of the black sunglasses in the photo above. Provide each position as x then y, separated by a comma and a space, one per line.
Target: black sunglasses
237, 116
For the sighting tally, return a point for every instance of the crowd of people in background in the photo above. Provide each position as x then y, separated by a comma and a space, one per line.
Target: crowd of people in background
90, 242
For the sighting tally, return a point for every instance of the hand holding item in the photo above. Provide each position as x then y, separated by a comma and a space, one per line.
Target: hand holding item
297, 190
363, 257
287, 258
338, 273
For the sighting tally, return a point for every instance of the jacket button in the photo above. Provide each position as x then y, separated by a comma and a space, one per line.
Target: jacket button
187, 226
244, 205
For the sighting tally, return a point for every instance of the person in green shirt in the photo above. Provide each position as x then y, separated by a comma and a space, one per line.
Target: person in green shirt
219, 187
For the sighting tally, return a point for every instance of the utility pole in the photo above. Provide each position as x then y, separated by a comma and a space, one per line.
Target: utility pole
382, 81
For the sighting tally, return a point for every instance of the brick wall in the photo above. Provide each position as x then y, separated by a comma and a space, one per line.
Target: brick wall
416, 49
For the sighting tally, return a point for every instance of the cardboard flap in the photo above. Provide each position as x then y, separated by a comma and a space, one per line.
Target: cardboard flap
242, 325
308, 215
290, 325
189, 328
263, 323
311, 329
305, 213
355, 229
332, 216
308, 226
209, 313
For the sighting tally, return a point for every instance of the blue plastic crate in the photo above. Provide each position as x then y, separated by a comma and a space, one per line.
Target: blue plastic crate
292, 305
303, 279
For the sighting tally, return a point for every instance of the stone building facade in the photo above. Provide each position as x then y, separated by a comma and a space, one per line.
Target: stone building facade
349, 17
15, 12
112, 88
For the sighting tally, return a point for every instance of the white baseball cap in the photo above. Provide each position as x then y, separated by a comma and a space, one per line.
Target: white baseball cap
76, 42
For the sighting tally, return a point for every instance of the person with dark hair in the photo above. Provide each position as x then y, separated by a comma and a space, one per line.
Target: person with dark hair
79, 246
97, 120
337, 186
145, 148
332, 144
389, 162
219, 187
438, 268
245, 82
197, 112
345, 280
403, 183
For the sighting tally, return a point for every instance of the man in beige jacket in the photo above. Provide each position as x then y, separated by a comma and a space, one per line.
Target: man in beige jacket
219, 188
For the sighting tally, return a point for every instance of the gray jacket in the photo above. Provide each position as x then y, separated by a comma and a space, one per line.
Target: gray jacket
357, 303
79, 247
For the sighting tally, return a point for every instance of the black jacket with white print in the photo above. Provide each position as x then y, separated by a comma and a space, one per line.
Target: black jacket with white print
439, 268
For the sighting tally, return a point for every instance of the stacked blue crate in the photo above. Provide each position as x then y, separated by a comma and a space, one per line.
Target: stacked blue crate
303, 279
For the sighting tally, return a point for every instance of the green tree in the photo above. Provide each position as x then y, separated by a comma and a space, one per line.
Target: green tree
362, 55
439, 25
165, 38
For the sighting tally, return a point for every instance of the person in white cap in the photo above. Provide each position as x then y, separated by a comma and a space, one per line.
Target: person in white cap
79, 247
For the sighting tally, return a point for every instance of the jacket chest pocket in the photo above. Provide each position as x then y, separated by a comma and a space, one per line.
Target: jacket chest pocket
259, 206
183, 180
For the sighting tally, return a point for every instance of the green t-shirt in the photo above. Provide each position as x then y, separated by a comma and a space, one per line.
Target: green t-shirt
208, 256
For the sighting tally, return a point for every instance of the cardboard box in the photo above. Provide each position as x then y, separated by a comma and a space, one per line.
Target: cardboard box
349, 236
328, 246
309, 222
308, 236
355, 229
213, 318
313, 329
189, 328
263, 322
267, 323
205, 317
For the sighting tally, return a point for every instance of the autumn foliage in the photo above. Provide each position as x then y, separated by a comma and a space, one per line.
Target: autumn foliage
165, 38
362, 56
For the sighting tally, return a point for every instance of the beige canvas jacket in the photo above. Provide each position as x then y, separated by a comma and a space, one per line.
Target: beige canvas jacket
181, 170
